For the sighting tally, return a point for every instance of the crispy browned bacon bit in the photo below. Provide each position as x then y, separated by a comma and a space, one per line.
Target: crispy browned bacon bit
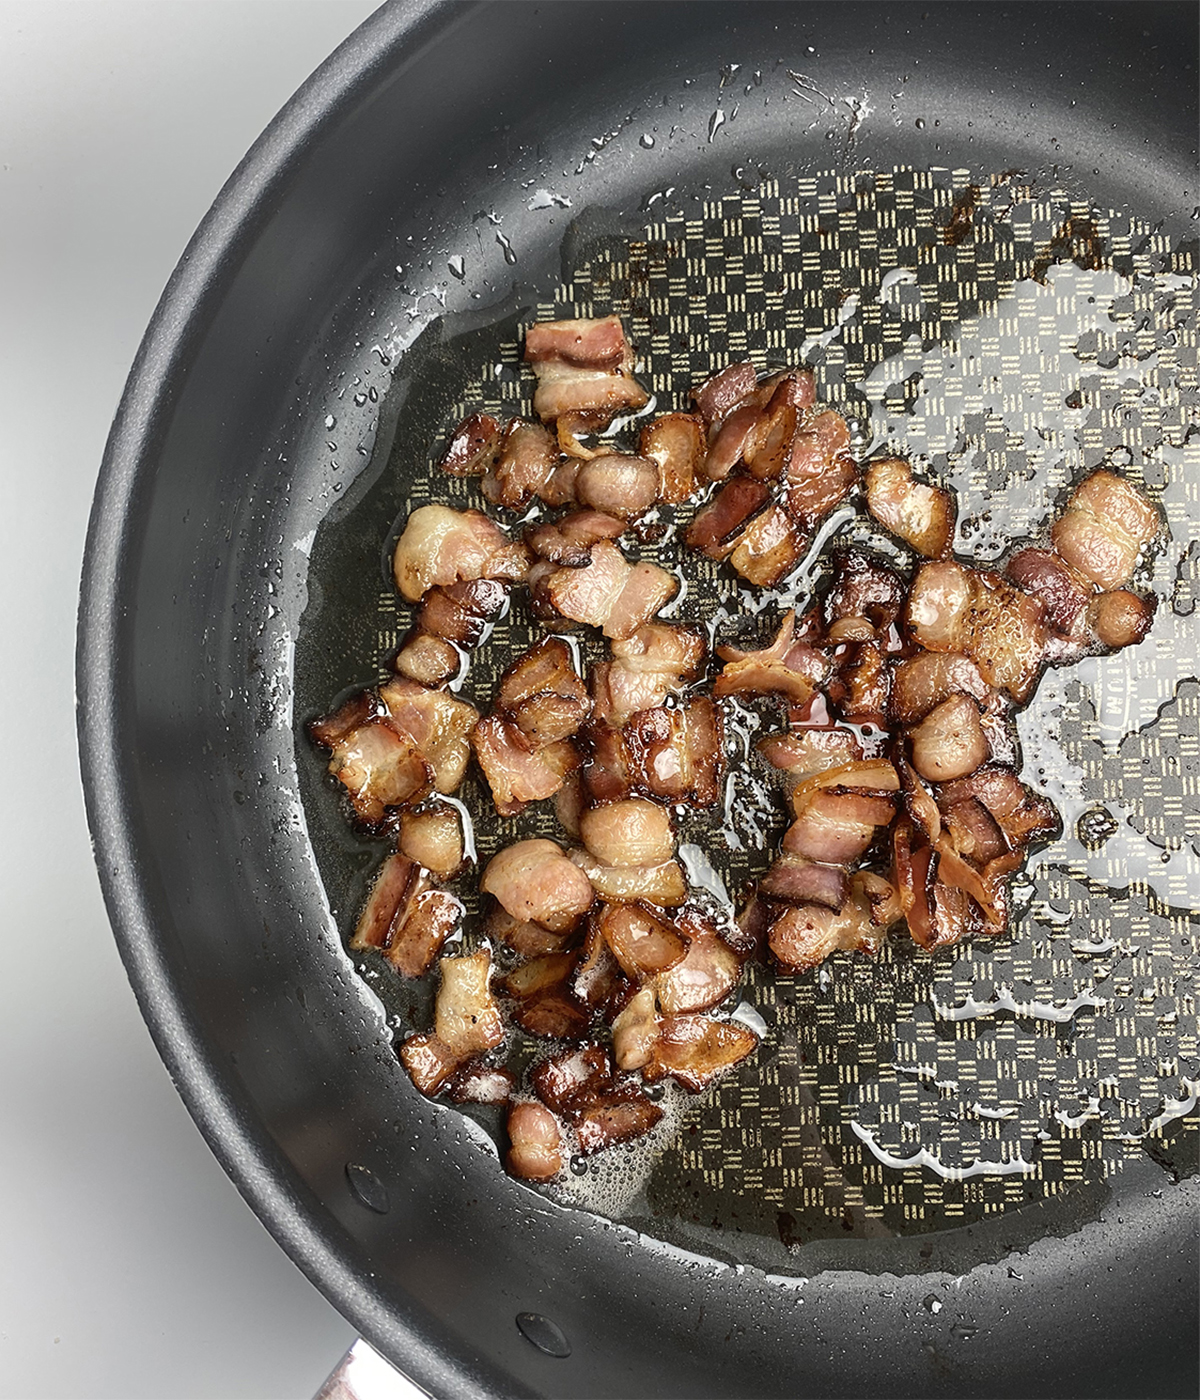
474, 445
697, 1050
787, 667
899, 757
523, 466
922, 516
545, 1004
974, 612
534, 880
609, 593
1104, 528
441, 546
676, 443
379, 768
535, 1151
433, 837
406, 917
585, 377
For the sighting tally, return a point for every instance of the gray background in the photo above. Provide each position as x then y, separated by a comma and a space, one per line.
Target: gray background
131, 1267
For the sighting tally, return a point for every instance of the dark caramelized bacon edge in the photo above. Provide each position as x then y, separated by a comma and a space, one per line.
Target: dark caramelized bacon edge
899, 753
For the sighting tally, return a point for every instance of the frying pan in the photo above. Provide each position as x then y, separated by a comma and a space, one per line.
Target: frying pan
327, 317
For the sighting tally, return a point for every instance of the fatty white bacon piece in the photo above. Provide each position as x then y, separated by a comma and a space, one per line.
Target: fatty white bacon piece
533, 880
676, 444
787, 666
642, 940
950, 741
705, 975
610, 593
662, 884
466, 1017
618, 485
433, 837
380, 768
635, 1030
804, 753
921, 515
441, 546
977, 614
1103, 529
535, 1143
632, 832
569, 541
585, 378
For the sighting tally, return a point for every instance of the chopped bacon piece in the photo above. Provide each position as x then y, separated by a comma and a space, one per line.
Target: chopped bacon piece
861, 683
973, 830
462, 613
527, 457
534, 880
863, 586
619, 1116
438, 725
476, 1083
807, 752
788, 666
443, 546
606, 774
696, 1050
617, 884
716, 527
648, 666
466, 1017
676, 444
677, 755
473, 445
717, 397
837, 827
545, 1003
379, 768
584, 373
642, 942
525, 938
924, 681
1103, 529
923, 516
770, 547
706, 974
328, 730
635, 1030
515, 775
874, 775
794, 879
609, 593
564, 1079
428, 660
406, 917
803, 937
569, 541
632, 832
543, 695
1120, 618
535, 1152
433, 837
430, 1063
728, 442
950, 742
1023, 815
1063, 592
617, 485
953, 608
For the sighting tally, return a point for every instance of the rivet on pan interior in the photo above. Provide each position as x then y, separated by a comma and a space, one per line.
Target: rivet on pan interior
367, 1189
544, 1334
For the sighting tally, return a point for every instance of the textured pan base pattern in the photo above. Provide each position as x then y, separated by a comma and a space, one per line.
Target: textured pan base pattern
1032, 338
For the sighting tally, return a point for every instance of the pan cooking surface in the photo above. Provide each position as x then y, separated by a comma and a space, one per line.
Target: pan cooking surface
1009, 340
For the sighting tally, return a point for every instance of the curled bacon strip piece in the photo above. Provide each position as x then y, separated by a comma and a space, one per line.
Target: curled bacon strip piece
585, 376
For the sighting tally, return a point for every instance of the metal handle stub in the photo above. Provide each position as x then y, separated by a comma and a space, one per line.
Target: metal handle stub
362, 1374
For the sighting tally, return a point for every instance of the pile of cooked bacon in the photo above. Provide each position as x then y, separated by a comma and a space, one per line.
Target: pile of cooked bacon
900, 746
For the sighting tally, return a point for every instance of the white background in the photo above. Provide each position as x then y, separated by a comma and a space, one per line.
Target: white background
129, 1265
